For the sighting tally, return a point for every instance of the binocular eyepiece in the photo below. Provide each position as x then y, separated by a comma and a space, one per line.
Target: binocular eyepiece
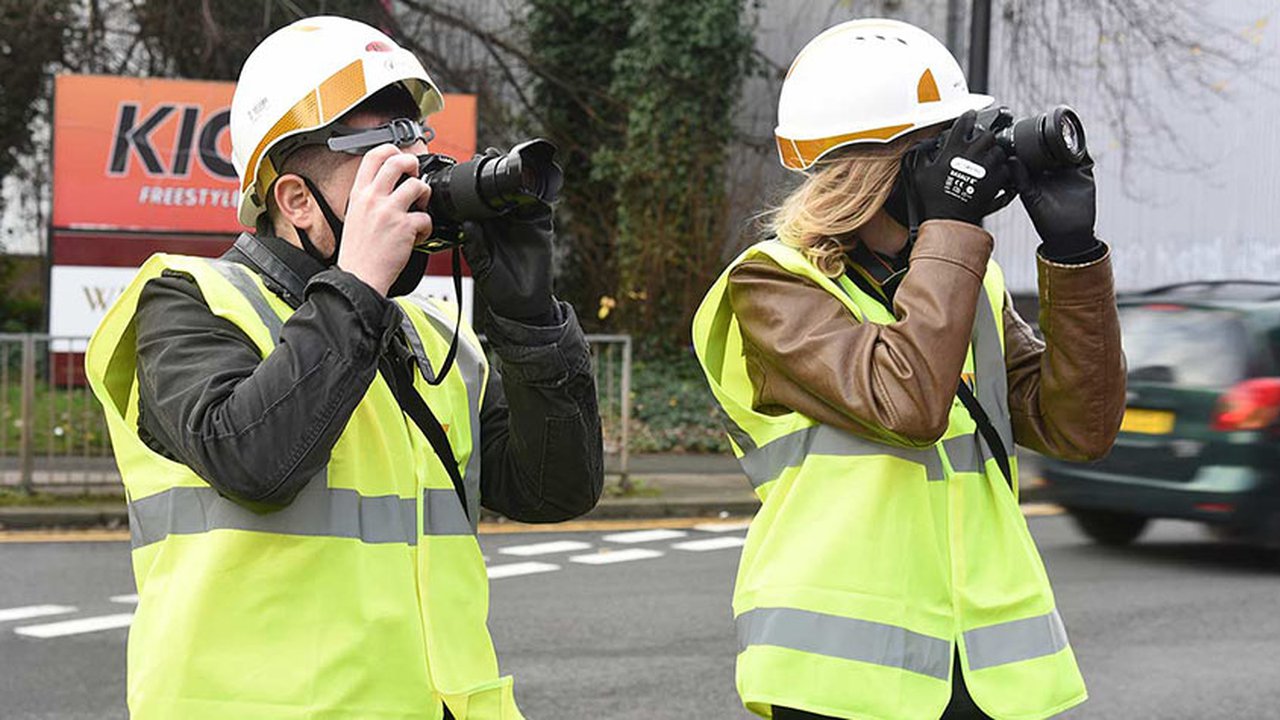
1041, 142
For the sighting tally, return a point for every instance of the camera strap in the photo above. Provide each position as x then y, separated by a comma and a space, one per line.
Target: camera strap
457, 324
420, 413
986, 428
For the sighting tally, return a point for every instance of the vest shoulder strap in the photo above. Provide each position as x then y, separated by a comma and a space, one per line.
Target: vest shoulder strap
793, 260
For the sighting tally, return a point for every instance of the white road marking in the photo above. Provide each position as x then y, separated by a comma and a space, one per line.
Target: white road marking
76, 627
644, 536
608, 557
33, 611
524, 568
125, 599
546, 548
714, 543
723, 527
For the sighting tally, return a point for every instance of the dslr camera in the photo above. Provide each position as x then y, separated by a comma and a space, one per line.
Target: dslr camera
486, 186
1043, 142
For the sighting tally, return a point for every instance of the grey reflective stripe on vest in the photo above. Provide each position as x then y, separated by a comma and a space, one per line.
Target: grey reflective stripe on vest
317, 511
735, 431
442, 513
238, 276
847, 638
767, 462
469, 362
990, 374
965, 453
1015, 641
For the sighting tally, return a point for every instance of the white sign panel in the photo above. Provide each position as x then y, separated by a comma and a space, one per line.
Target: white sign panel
79, 297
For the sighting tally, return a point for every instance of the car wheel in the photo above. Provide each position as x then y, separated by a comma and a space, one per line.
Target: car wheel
1109, 527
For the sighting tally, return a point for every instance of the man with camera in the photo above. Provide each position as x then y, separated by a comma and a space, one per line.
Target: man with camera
306, 459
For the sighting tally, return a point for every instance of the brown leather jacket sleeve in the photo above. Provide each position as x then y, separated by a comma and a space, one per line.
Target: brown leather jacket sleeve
806, 352
1067, 394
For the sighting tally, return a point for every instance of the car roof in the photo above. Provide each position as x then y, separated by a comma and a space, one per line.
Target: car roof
1243, 295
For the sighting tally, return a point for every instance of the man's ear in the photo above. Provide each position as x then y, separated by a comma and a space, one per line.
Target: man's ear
294, 201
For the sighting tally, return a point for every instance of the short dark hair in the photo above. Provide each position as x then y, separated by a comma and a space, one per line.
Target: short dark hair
316, 161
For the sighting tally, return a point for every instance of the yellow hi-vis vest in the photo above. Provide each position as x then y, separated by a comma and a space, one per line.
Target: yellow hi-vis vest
366, 597
869, 559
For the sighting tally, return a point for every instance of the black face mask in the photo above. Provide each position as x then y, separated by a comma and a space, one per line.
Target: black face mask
330, 217
410, 275
896, 203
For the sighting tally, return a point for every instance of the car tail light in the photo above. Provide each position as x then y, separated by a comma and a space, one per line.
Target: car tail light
1251, 405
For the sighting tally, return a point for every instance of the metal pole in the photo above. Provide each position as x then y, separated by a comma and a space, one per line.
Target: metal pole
955, 24
625, 482
28, 412
979, 45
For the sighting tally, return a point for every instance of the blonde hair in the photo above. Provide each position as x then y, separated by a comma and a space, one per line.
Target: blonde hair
839, 196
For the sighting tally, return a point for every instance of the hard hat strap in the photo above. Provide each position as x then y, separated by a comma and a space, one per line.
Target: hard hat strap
401, 132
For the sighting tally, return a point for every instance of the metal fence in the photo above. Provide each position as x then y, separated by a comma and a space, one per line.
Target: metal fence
53, 435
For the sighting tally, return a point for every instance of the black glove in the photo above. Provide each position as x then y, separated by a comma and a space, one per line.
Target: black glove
510, 259
1062, 204
958, 175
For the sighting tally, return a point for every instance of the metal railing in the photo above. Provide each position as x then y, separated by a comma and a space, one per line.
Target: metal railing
610, 353
53, 435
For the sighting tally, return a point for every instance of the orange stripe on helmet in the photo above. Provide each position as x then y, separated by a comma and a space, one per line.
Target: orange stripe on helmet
800, 154
336, 95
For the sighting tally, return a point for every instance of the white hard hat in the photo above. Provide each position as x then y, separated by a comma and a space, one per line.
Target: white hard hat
303, 77
867, 81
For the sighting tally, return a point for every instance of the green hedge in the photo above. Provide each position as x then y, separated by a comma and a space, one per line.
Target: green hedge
672, 409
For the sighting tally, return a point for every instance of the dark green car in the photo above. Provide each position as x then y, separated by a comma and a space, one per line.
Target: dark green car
1201, 436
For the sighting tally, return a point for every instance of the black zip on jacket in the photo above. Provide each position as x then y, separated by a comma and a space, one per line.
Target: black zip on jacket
258, 430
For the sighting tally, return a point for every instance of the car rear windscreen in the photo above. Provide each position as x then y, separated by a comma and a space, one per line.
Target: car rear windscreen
1190, 347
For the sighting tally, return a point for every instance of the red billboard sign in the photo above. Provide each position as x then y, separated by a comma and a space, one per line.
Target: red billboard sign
154, 155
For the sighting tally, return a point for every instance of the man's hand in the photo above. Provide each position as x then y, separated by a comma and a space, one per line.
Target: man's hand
1062, 205
380, 230
958, 175
510, 257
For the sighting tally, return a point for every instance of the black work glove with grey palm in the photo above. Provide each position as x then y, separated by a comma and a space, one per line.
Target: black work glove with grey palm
1062, 204
959, 175
510, 259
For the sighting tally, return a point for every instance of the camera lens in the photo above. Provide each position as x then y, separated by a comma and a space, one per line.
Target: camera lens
487, 186
1070, 138
1046, 142
1070, 146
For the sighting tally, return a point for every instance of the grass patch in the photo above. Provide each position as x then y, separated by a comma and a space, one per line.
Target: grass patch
635, 488
65, 421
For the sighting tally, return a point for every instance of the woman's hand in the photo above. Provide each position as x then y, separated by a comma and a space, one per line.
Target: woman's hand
959, 175
1063, 205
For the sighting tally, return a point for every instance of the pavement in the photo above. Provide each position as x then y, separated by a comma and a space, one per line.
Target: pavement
633, 621
669, 485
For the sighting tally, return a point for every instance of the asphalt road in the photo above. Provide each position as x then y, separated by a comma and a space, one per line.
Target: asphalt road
1174, 627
